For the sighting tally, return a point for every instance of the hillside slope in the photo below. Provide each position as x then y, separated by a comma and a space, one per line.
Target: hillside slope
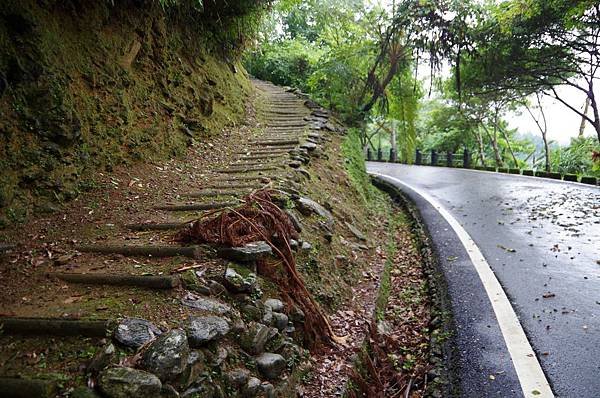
87, 86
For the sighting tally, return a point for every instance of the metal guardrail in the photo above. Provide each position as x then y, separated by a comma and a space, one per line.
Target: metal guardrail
463, 160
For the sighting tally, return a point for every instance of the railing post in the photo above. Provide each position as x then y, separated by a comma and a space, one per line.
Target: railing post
369, 154
379, 155
466, 159
393, 156
433, 157
418, 157
449, 156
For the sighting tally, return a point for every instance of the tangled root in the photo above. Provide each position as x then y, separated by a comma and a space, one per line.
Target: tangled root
259, 218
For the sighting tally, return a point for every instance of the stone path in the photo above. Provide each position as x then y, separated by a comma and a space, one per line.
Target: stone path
273, 156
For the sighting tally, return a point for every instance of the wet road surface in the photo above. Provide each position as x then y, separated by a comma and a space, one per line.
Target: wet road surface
541, 238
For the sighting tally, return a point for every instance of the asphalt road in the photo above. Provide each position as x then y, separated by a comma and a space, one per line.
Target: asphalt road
541, 238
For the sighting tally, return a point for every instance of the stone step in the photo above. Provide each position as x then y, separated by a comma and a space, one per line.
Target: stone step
235, 170
278, 143
230, 185
249, 252
142, 250
274, 156
55, 326
196, 206
150, 282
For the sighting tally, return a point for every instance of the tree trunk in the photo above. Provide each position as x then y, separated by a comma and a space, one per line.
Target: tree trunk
546, 151
585, 111
512, 154
480, 148
494, 141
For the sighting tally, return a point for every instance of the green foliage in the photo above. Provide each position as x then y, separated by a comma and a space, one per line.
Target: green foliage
288, 62
577, 158
355, 166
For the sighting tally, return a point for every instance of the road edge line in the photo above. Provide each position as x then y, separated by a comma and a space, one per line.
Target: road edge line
532, 379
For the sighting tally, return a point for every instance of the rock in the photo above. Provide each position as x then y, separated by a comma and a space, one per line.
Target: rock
267, 318
237, 377
295, 220
275, 304
249, 252
280, 321
270, 365
251, 312
205, 304
293, 244
204, 390
254, 339
309, 146
252, 388
129, 383
83, 392
168, 391
196, 365
239, 279
295, 164
268, 390
340, 261
167, 356
308, 206
306, 246
221, 356
296, 314
356, 232
202, 330
290, 352
135, 332
191, 282
104, 357
302, 172
216, 289
239, 326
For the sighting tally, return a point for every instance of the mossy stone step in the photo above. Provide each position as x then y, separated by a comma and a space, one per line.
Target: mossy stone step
247, 253
55, 326
143, 250
195, 206
149, 281
234, 170
27, 388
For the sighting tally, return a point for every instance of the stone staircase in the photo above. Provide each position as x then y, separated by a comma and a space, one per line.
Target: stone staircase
191, 322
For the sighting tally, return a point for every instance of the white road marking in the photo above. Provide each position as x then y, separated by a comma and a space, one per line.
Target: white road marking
529, 371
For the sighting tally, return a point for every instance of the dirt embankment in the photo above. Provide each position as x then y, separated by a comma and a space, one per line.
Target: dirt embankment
86, 86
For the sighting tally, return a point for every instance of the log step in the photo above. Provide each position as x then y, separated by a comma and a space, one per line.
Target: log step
4, 247
234, 170
151, 282
265, 156
277, 143
196, 206
154, 251
155, 226
213, 193
27, 388
55, 326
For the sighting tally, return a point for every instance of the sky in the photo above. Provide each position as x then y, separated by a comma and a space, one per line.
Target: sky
563, 123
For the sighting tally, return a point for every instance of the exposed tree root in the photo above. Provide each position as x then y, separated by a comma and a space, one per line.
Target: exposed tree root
261, 219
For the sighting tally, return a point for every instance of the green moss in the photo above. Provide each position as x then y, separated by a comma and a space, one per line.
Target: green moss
72, 108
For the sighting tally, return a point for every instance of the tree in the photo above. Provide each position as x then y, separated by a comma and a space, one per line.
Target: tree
529, 46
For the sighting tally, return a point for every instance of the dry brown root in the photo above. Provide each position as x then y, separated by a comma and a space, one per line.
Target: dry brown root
258, 218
